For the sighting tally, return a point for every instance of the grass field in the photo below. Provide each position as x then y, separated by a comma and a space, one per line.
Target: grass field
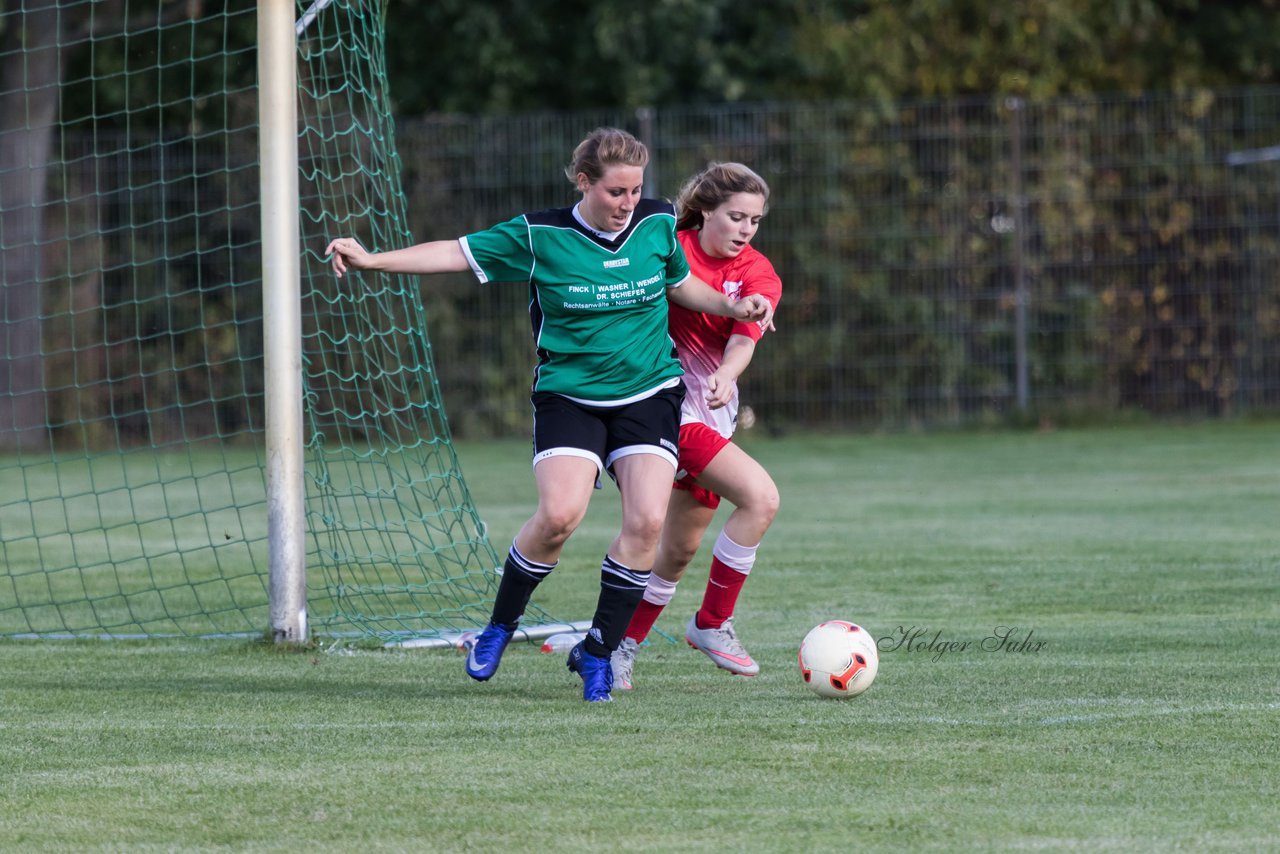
1142, 713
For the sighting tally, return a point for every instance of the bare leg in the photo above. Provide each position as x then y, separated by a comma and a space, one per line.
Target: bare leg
687, 522
564, 490
565, 484
739, 479
645, 483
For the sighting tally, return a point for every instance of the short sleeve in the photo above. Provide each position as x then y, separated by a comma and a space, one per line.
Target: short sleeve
758, 278
503, 253
677, 265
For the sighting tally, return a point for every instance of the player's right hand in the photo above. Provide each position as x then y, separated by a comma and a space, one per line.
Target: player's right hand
347, 253
754, 307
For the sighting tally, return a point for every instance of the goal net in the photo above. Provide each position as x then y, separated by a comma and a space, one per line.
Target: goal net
132, 461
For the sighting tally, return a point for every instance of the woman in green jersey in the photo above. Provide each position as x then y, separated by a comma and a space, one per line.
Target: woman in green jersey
607, 386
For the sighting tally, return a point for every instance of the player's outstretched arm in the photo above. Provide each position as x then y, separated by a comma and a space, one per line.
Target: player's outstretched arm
438, 256
695, 295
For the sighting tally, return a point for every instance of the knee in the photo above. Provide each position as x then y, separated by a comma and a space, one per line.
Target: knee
679, 555
772, 502
555, 524
647, 527
763, 504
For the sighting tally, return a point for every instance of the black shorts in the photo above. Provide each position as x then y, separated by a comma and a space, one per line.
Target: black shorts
605, 433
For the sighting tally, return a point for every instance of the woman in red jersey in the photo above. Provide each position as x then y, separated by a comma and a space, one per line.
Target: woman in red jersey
718, 213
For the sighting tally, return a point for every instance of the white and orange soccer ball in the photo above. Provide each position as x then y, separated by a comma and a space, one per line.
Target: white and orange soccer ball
838, 659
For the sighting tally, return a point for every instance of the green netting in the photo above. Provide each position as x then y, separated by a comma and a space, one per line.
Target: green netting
131, 400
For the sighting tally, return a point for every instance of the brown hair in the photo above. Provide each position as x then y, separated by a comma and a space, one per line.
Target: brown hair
709, 189
605, 147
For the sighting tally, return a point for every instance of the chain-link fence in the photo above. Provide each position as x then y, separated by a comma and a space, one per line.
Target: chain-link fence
944, 262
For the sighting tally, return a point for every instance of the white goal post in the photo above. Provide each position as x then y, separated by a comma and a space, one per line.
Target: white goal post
282, 318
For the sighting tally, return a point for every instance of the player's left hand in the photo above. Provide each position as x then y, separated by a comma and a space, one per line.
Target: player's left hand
719, 391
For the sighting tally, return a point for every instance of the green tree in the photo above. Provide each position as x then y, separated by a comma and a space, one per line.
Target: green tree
484, 56
1038, 48
468, 56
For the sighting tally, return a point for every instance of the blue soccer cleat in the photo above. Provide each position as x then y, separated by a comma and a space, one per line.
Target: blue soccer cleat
486, 651
596, 673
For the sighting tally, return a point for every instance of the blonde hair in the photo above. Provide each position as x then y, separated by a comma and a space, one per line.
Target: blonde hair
605, 147
711, 187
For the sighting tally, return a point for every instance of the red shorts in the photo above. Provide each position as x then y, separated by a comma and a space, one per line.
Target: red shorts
699, 445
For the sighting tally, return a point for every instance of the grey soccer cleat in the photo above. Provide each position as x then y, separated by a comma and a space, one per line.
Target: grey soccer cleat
623, 662
721, 646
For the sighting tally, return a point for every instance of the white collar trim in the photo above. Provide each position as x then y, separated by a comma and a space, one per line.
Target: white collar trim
607, 235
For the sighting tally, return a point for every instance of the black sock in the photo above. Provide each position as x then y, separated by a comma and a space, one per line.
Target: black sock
519, 578
620, 591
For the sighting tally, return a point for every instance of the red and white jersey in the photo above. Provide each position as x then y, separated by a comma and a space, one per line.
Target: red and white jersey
701, 338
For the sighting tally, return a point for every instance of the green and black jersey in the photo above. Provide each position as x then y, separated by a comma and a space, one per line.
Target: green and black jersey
598, 306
